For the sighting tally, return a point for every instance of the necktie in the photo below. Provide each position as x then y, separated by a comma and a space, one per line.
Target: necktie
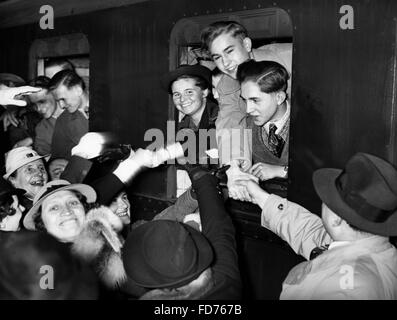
317, 251
275, 142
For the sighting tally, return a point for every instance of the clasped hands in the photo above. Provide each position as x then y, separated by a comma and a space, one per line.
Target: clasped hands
244, 186
93, 144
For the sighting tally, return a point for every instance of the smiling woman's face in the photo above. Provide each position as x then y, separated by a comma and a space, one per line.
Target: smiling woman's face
31, 178
63, 215
121, 207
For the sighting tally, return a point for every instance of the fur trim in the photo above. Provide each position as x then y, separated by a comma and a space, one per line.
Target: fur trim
99, 245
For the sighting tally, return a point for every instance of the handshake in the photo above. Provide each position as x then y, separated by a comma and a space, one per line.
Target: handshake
93, 144
244, 186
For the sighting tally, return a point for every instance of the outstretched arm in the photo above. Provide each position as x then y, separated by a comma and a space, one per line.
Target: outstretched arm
302, 230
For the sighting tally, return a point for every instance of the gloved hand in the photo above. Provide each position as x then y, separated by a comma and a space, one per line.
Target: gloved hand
135, 163
90, 145
171, 152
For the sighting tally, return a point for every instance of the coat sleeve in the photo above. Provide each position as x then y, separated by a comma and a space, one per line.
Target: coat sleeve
232, 136
217, 226
302, 230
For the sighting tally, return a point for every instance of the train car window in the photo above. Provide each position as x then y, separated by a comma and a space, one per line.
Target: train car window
48, 66
265, 26
48, 52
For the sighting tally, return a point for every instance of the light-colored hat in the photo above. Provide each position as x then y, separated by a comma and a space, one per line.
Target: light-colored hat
49, 189
18, 157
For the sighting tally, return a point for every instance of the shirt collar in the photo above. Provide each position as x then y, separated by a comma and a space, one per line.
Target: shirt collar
280, 123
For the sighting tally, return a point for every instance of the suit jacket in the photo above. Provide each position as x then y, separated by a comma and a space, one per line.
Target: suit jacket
232, 109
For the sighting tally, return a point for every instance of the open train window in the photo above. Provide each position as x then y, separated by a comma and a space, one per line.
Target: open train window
46, 52
264, 26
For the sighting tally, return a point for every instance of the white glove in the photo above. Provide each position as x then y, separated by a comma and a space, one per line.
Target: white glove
130, 167
90, 145
171, 152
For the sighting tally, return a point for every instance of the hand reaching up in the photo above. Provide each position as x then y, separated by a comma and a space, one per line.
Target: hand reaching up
8, 95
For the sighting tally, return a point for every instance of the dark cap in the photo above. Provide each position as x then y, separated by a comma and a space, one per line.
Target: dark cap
186, 70
165, 254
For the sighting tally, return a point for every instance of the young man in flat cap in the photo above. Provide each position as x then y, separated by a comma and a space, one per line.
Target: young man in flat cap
349, 252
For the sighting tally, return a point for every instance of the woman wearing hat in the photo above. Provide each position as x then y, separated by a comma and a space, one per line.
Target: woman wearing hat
66, 211
25, 169
189, 87
63, 210
350, 254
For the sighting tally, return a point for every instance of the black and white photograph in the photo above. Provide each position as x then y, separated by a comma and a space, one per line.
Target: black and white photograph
220, 151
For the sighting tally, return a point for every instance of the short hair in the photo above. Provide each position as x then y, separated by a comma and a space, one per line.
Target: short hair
269, 75
68, 78
65, 64
200, 82
217, 28
40, 82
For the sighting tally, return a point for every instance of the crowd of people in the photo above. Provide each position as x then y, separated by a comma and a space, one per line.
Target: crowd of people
61, 207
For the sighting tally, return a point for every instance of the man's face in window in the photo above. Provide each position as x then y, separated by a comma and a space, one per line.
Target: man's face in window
69, 98
44, 102
229, 52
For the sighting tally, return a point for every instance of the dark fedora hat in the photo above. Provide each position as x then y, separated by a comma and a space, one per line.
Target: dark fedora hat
186, 70
165, 254
364, 193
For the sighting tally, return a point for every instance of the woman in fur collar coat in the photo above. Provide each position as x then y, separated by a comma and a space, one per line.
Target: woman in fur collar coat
62, 210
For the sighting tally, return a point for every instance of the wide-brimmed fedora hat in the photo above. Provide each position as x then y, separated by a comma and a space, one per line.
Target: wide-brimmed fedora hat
18, 157
185, 70
165, 254
49, 189
364, 193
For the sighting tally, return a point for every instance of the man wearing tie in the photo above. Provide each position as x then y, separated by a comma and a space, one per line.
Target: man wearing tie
264, 89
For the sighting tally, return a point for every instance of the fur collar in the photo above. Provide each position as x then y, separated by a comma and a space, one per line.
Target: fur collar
99, 245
